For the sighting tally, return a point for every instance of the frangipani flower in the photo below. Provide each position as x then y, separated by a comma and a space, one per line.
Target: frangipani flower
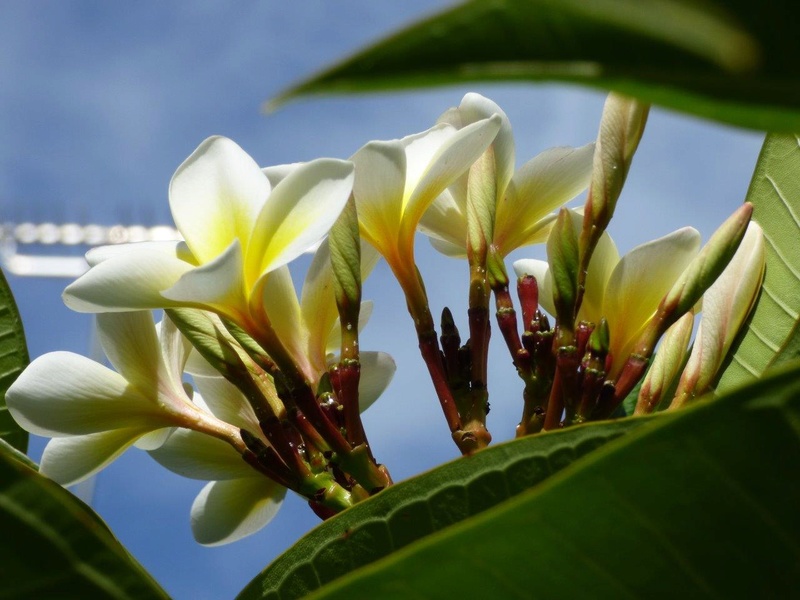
625, 291
238, 500
524, 200
309, 327
238, 228
397, 180
94, 413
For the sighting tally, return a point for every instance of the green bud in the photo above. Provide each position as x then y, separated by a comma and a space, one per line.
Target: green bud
345, 250
562, 254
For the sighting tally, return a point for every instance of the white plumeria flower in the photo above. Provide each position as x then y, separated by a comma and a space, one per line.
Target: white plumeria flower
625, 291
94, 413
238, 500
524, 200
309, 328
397, 180
238, 227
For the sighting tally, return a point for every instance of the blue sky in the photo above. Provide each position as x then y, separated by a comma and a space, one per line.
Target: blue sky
100, 102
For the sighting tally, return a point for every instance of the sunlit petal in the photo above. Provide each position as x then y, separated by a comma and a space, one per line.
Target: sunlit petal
299, 213
72, 459
454, 156
639, 282
154, 439
128, 281
378, 190
543, 184
283, 311
171, 248
226, 511
62, 393
215, 197
317, 304
217, 284
474, 108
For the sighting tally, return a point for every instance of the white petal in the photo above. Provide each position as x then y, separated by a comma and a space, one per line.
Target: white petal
70, 460
299, 213
198, 456
224, 400
454, 156
475, 107
177, 248
318, 305
378, 190
377, 370
217, 284
639, 282
154, 439
283, 311
130, 342
196, 365
175, 351
448, 248
226, 511
131, 280
604, 259
278, 173
541, 271
215, 197
546, 182
62, 393
446, 221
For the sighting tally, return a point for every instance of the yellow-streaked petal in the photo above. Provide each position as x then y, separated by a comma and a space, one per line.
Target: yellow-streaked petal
283, 312
226, 511
217, 285
639, 282
299, 213
216, 196
378, 190
542, 185
456, 153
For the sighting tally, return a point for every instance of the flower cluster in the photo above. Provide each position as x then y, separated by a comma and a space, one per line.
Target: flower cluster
279, 381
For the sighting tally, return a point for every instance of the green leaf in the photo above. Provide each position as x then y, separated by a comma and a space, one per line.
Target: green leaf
13, 359
424, 504
56, 547
734, 61
771, 334
702, 503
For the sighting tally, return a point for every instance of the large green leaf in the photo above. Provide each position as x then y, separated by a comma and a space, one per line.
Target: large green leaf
427, 503
54, 546
701, 503
13, 358
771, 336
736, 61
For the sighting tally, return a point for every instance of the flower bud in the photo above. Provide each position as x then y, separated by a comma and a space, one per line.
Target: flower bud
726, 306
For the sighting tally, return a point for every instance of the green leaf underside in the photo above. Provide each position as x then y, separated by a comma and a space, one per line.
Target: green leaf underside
54, 546
702, 503
771, 335
425, 504
735, 62
13, 359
